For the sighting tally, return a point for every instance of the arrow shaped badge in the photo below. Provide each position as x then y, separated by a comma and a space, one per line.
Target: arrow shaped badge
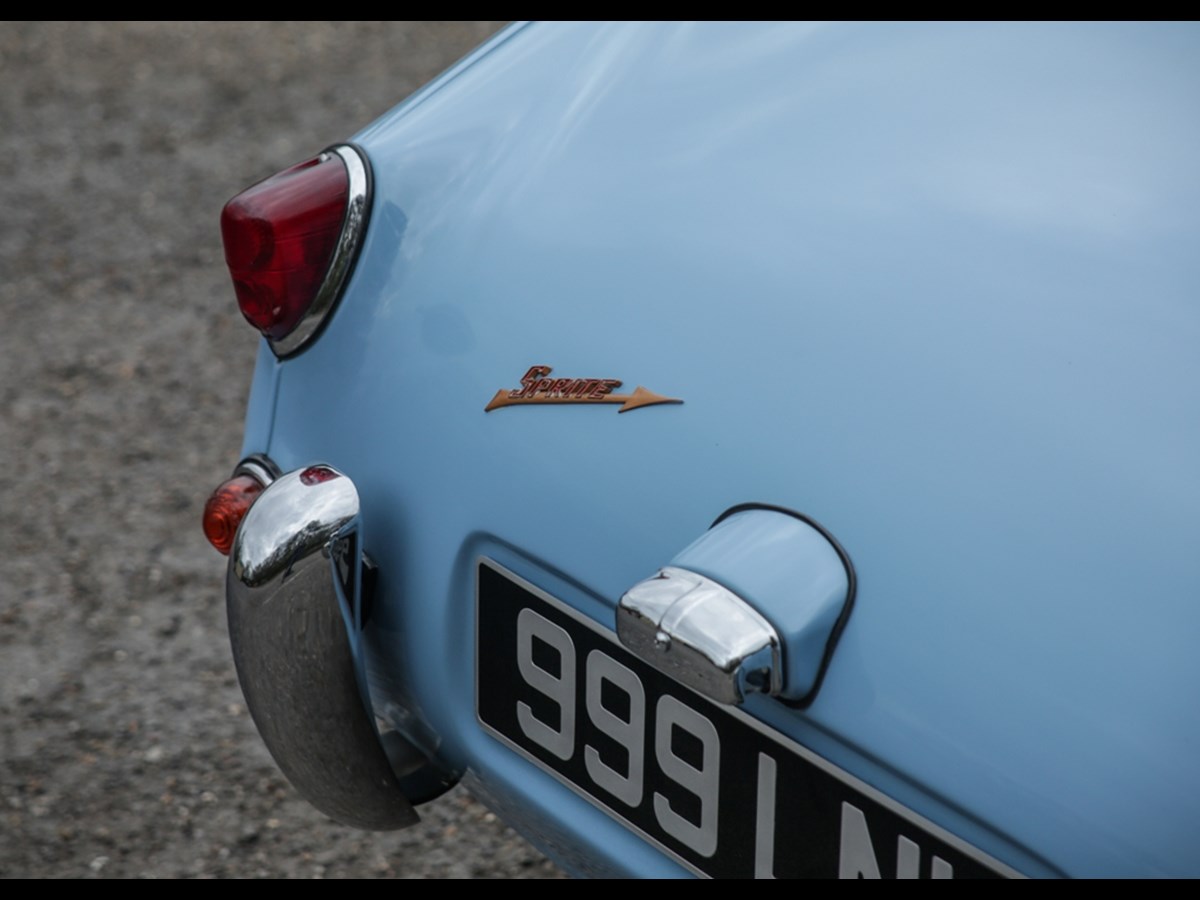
537, 389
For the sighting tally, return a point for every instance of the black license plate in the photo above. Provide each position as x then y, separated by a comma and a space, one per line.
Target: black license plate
715, 789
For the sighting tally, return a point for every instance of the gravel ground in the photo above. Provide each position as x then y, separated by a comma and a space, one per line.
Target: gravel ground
125, 747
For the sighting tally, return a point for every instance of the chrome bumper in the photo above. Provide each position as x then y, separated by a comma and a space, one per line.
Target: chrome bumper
293, 591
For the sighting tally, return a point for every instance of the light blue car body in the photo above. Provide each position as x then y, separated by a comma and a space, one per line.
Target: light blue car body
936, 286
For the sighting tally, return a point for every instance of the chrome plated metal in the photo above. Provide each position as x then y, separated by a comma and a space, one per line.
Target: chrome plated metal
701, 634
258, 466
793, 573
357, 210
291, 619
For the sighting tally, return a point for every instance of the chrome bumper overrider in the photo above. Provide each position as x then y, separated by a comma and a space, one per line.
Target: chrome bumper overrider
293, 592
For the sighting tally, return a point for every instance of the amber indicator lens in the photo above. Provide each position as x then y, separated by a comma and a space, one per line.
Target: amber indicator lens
280, 236
227, 507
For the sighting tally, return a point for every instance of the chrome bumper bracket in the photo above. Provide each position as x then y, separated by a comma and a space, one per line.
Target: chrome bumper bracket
291, 625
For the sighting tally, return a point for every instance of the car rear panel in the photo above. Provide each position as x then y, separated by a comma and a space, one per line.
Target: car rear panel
933, 286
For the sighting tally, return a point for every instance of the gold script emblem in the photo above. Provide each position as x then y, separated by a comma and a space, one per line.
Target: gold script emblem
537, 388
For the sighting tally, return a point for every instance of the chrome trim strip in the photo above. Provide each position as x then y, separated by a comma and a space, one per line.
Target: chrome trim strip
289, 629
357, 210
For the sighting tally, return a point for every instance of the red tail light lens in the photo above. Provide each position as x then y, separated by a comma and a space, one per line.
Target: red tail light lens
227, 507
317, 475
290, 241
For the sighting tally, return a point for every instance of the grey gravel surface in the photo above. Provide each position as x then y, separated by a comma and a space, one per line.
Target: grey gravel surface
125, 747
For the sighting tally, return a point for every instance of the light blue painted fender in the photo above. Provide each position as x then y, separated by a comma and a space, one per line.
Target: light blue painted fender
933, 285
